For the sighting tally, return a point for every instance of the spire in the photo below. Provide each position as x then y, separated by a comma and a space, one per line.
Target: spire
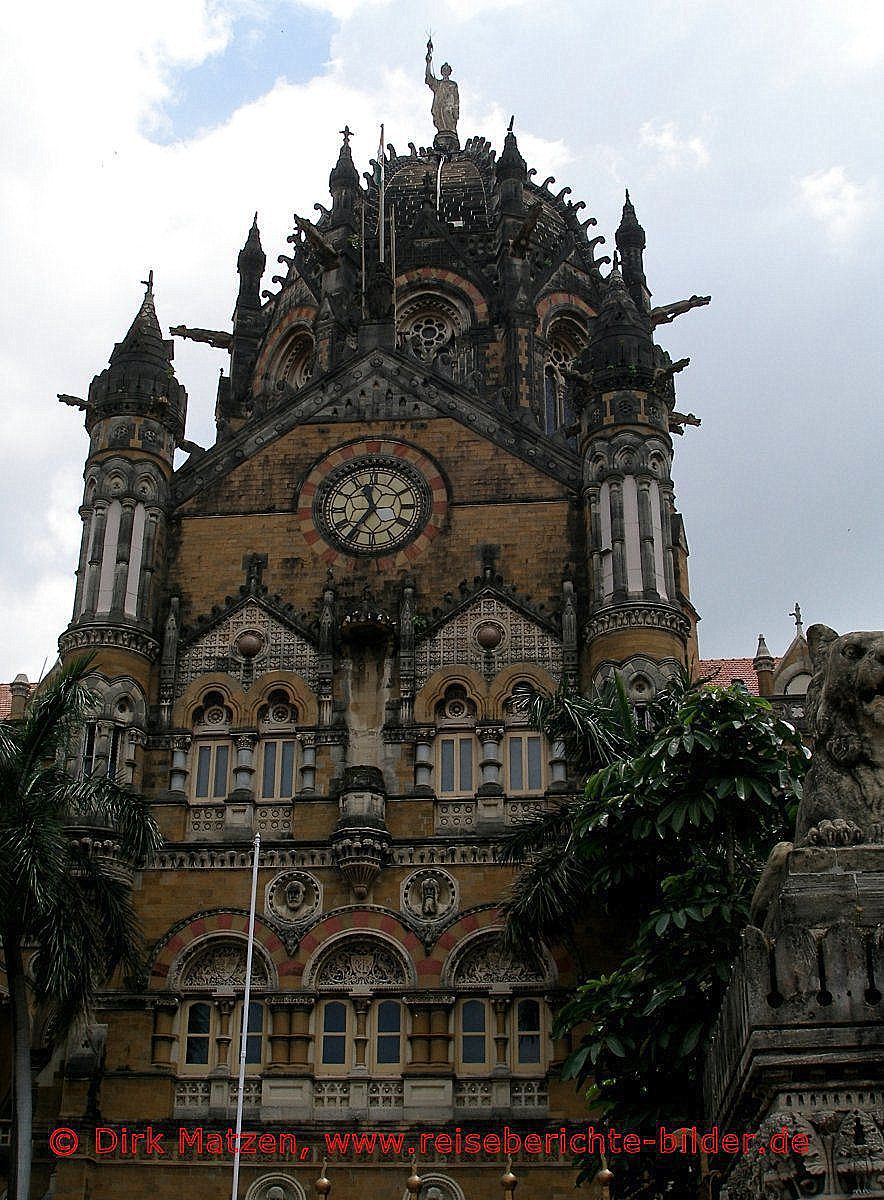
144, 344
250, 265
763, 665
343, 183
511, 165
630, 239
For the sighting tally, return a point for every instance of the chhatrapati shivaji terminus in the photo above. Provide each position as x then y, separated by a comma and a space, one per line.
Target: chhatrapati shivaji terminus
441, 482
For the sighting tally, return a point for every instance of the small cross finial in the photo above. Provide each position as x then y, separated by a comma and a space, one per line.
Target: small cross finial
616, 266
796, 614
148, 283
346, 133
627, 196
509, 127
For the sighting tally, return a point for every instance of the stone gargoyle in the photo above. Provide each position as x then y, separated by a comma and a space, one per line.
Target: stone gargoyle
843, 801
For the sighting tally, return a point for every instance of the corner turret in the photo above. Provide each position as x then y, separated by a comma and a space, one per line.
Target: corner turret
135, 416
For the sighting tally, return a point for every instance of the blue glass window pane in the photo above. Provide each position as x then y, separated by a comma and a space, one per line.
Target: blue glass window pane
534, 764
335, 1019
222, 754
287, 772
204, 758
447, 764
268, 783
466, 764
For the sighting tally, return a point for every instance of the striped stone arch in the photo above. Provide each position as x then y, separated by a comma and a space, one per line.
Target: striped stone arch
557, 304
481, 935
351, 923
212, 926
431, 969
304, 316
433, 277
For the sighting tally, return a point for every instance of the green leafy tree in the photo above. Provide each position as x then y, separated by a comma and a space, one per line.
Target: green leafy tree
65, 902
668, 839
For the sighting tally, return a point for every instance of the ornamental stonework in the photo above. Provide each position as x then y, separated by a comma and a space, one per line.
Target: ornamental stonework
248, 643
487, 636
429, 896
487, 964
294, 897
222, 966
360, 963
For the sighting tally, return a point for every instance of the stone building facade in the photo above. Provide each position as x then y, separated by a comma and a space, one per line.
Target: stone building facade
441, 482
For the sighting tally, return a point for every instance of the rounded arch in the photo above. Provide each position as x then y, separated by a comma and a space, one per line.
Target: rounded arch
191, 698
368, 957
563, 304
447, 283
297, 323
503, 683
479, 960
433, 692
218, 960
302, 696
436, 1186
276, 1186
221, 923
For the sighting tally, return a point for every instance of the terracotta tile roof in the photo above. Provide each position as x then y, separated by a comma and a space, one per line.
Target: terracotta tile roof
726, 670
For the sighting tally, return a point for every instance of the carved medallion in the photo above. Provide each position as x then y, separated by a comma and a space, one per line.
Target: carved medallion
294, 897
429, 896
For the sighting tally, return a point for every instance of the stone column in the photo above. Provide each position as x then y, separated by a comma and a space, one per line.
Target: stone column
423, 763
361, 1004
163, 1039
646, 540
618, 553
558, 767
178, 774
308, 765
419, 1037
121, 566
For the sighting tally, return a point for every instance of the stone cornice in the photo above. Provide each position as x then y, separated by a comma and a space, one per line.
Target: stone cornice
636, 616
120, 637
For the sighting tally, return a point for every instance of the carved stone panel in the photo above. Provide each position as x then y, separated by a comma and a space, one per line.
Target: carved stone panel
221, 965
487, 963
360, 962
275, 1187
248, 643
487, 636
429, 896
294, 897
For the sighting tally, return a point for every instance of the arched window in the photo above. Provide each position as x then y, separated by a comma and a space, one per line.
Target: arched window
456, 746
565, 340
277, 763
428, 326
212, 749
295, 363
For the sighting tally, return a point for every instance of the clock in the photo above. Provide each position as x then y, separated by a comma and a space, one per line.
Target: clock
375, 498
372, 505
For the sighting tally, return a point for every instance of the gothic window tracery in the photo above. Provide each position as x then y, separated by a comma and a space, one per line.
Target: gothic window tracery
565, 340
294, 366
429, 327
108, 742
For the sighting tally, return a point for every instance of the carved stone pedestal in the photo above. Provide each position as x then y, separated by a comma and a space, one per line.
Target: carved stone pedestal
799, 1042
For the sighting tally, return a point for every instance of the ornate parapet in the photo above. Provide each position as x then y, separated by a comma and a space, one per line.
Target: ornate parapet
119, 637
617, 617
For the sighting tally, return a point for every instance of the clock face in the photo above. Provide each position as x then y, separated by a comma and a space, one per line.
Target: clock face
372, 505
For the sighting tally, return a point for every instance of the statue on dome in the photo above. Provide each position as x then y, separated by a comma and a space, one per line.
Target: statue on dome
446, 101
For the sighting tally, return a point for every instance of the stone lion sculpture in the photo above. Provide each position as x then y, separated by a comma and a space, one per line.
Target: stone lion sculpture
843, 800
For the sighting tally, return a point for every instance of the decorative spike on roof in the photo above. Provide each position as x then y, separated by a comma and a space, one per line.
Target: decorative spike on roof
144, 342
252, 254
629, 232
511, 165
344, 173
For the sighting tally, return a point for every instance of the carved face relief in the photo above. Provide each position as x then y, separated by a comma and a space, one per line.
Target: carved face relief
293, 897
429, 895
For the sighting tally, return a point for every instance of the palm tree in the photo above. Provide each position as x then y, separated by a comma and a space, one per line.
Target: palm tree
66, 848
597, 731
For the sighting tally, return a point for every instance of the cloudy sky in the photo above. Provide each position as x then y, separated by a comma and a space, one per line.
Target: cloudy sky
145, 135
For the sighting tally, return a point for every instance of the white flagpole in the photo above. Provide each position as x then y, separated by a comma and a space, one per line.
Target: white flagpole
393, 265
244, 1023
362, 240
383, 199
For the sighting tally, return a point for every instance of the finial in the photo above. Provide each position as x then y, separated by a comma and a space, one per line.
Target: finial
148, 283
322, 1186
627, 196
508, 1180
796, 613
604, 1177
616, 266
415, 1182
346, 133
255, 218
509, 127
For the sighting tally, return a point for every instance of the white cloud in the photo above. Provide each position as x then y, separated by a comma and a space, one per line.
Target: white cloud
91, 202
863, 24
839, 204
673, 150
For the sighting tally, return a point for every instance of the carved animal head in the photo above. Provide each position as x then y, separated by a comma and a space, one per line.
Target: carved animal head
845, 700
